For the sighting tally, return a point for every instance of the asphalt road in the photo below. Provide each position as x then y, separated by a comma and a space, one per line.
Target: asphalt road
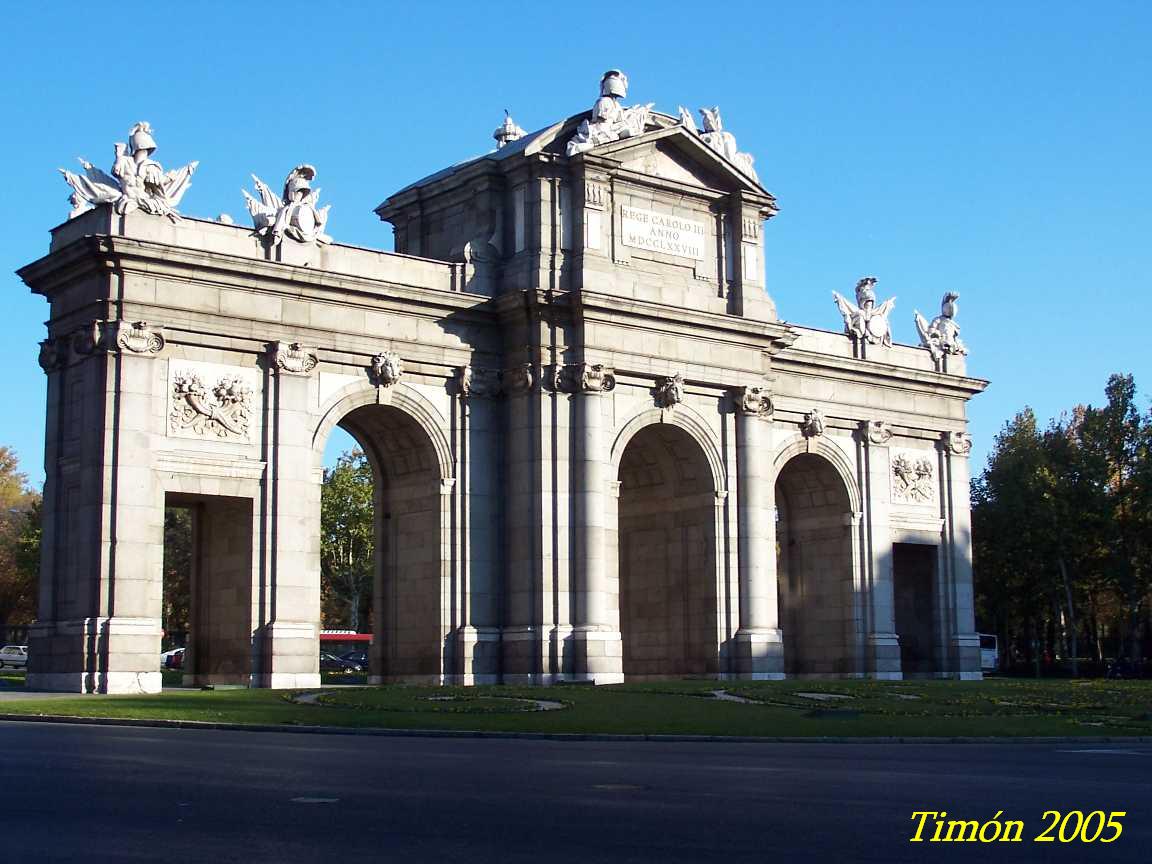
91, 793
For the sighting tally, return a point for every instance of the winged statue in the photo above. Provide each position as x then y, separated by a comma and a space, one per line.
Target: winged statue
942, 335
137, 181
866, 321
293, 215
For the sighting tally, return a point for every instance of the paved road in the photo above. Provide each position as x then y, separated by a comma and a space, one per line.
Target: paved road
90, 793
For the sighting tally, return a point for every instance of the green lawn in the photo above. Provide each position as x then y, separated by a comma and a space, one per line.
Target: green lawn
868, 708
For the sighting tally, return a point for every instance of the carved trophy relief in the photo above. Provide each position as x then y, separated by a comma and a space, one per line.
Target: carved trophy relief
866, 321
913, 478
137, 181
941, 336
208, 401
294, 214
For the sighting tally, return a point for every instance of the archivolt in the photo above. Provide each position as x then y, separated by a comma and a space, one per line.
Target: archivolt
683, 417
401, 397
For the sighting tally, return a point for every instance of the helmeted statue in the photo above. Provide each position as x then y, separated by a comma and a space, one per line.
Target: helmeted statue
137, 182
866, 321
610, 121
295, 215
942, 336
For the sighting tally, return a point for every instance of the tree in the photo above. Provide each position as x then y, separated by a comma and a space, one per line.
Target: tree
19, 545
347, 540
177, 570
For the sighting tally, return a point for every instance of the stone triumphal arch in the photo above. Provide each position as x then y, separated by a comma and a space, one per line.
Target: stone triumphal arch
599, 453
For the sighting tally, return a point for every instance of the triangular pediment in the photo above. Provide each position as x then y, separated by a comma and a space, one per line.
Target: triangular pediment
677, 154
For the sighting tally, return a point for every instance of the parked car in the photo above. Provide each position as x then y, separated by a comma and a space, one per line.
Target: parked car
360, 658
332, 663
989, 653
15, 656
173, 659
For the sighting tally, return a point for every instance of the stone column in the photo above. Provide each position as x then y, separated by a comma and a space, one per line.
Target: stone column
881, 643
598, 647
101, 630
290, 635
963, 641
759, 647
478, 638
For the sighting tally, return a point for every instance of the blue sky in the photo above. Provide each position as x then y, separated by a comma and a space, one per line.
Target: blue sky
1001, 150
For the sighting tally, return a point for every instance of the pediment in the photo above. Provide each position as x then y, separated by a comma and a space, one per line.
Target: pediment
674, 153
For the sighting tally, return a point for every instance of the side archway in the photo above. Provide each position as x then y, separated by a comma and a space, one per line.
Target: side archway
402, 436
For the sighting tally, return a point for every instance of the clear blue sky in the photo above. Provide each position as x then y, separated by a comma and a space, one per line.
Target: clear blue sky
1002, 150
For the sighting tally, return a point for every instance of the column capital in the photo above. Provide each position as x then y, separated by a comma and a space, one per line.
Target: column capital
878, 432
291, 358
584, 378
753, 401
956, 443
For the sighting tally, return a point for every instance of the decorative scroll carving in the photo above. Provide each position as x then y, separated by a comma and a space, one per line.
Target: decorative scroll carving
295, 215
958, 443
222, 412
386, 369
669, 390
472, 381
137, 181
136, 337
876, 431
867, 321
912, 479
942, 336
754, 400
813, 425
610, 121
585, 378
518, 379
292, 358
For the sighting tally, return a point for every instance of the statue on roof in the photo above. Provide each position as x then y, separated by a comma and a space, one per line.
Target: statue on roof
508, 131
942, 336
137, 181
866, 321
724, 142
295, 215
610, 121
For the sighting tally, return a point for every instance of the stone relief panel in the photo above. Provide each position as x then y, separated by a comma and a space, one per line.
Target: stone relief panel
209, 401
913, 477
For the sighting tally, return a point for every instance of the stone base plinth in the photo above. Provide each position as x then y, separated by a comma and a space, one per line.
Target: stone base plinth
883, 657
758, 655
290, 655
597, 656
96, 655
477, 656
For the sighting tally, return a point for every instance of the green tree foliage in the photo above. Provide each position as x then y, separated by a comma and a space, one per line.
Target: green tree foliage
346, 542
1061, 530
19, 545
177, 573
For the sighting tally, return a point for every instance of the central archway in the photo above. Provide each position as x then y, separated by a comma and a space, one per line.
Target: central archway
667, 559
407, 623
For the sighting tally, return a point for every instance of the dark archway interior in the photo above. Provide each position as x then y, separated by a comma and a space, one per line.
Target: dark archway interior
407, 626
667, 527
814, 537
913, 588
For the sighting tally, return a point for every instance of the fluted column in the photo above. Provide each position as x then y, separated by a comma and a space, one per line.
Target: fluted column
599, 651
759, 651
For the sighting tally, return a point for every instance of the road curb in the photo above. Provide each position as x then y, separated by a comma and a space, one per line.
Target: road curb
560, 736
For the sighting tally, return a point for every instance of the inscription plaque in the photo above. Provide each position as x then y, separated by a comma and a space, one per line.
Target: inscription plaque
659, 232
